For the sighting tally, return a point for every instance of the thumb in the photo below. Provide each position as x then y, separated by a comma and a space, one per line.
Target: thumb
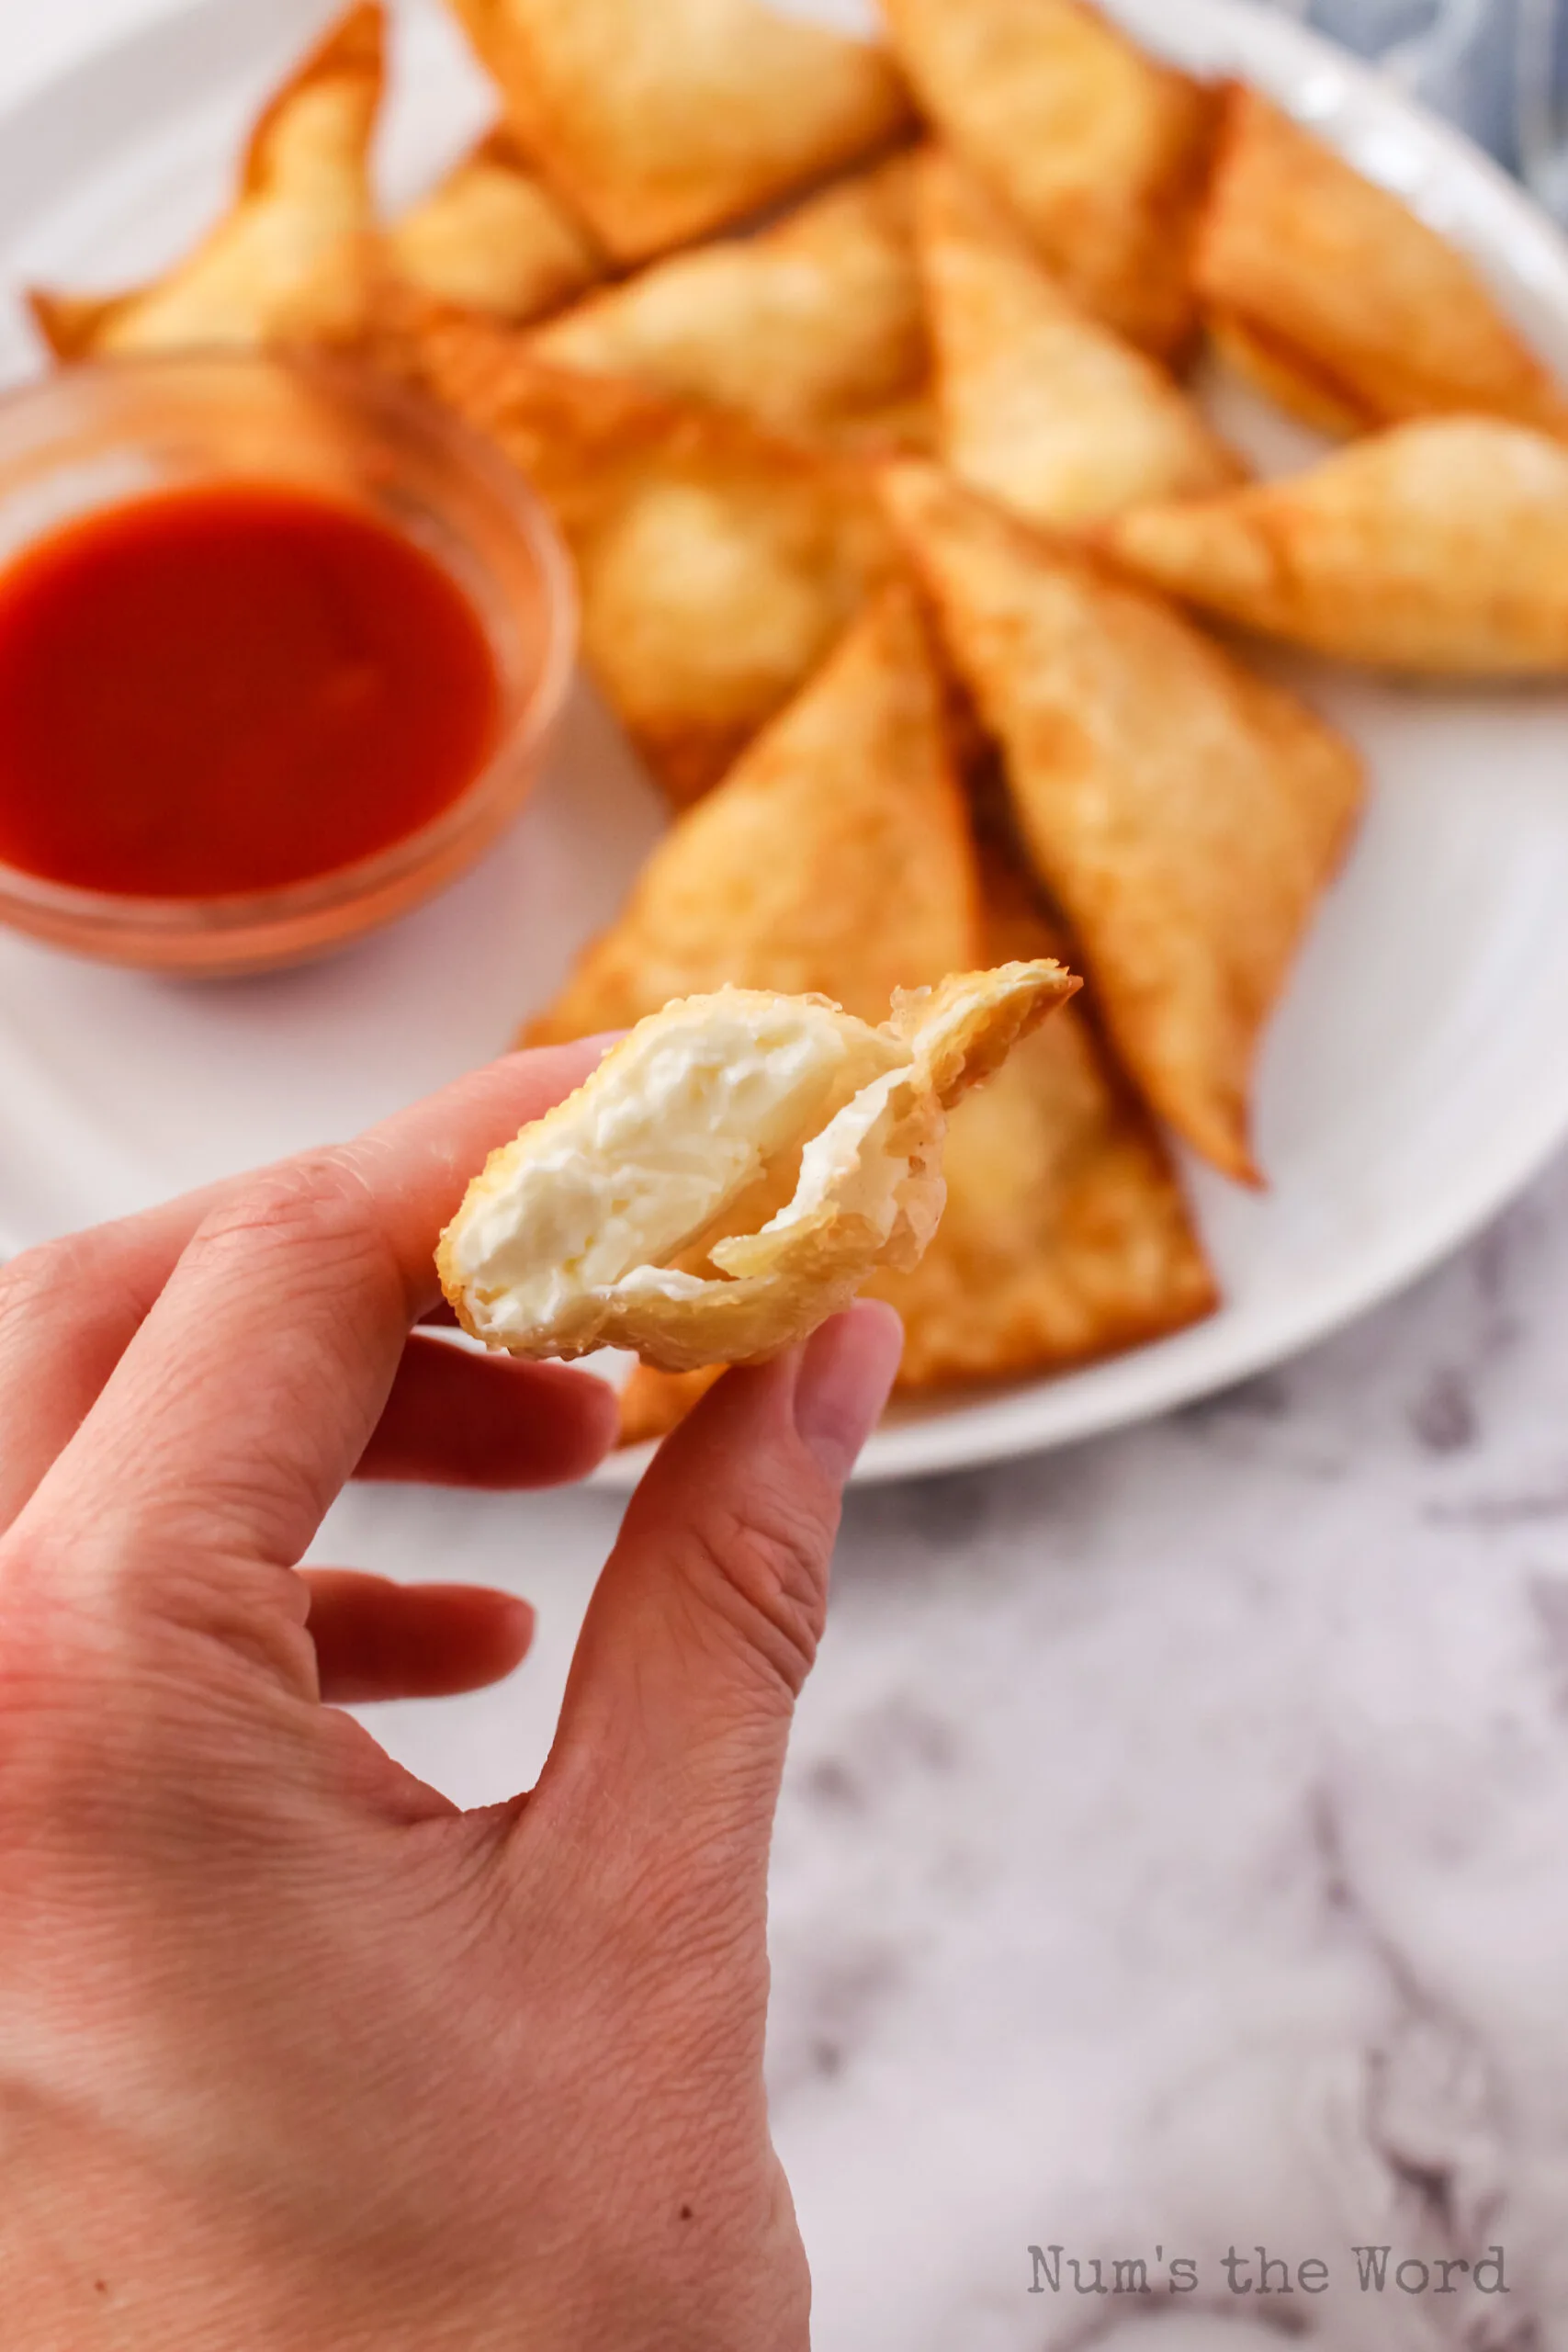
707, 1616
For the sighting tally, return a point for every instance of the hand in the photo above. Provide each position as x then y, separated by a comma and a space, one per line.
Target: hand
292, 2052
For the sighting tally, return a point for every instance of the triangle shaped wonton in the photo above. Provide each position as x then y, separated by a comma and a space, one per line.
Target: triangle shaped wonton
1098, 151
716, 564
814, 327
293, 258
1335, 284
1185, 813
491, 236
1440, 547
1040, 406
661, 123
835, 857
1064, 1237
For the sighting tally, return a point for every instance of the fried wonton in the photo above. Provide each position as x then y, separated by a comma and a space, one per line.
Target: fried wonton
716, 564
814, 328
491, 236
1283, 379
1185, 813
1439, 547
834, 858
1064, 1237
663, 123
1335, 284
1039, 405
293, 260
1098, 151
731, 1173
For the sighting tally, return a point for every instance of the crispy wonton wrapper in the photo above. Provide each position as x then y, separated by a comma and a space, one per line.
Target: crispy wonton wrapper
716, 564
1332, 284
293, 260
1185, 813
1439, 547
1098, 151
834, 857
661, 123
1039, 405
731, 1172
491, 236
1283, 379
814, 328
1064, 1237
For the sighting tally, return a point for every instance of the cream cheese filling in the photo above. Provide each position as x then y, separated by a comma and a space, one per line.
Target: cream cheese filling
636, 1169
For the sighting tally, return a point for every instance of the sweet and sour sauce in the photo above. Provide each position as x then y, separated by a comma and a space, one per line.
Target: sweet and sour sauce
228, 688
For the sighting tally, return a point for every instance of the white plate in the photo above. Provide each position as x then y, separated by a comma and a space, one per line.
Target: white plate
1415, 1078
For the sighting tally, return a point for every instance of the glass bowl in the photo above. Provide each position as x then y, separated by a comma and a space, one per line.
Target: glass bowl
98, 435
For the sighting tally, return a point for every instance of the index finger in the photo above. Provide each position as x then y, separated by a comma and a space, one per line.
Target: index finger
252, 1387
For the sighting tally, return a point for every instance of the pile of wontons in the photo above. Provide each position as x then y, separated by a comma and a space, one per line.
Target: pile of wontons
895, 532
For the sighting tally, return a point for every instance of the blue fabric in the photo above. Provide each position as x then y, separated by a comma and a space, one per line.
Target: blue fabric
1499, 68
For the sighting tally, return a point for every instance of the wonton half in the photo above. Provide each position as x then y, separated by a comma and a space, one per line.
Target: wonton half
731, 1173
1064, 1237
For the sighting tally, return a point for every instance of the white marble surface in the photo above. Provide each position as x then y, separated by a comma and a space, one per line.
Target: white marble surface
1175, 1850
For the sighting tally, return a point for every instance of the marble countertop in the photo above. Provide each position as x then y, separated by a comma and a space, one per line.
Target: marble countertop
1174, 1855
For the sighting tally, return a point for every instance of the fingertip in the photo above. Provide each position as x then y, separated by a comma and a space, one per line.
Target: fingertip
494, 1630
575, 1057
847, 1370
376, 1639
869, 1315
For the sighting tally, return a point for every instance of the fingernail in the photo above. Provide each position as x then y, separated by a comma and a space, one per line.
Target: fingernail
845, 1374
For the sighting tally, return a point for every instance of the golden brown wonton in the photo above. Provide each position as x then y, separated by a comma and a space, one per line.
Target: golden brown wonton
1441, 546
814, 327
1100, 152
1328, 282
1185, 813
1283, 379
1065, 1235
491, 236
716, 564
293, 260
663, 123
834, 857
1039, 405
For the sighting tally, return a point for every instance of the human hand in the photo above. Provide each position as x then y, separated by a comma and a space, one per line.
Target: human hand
292, 2052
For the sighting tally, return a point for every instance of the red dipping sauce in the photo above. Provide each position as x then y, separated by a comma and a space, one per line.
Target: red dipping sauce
222, 690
